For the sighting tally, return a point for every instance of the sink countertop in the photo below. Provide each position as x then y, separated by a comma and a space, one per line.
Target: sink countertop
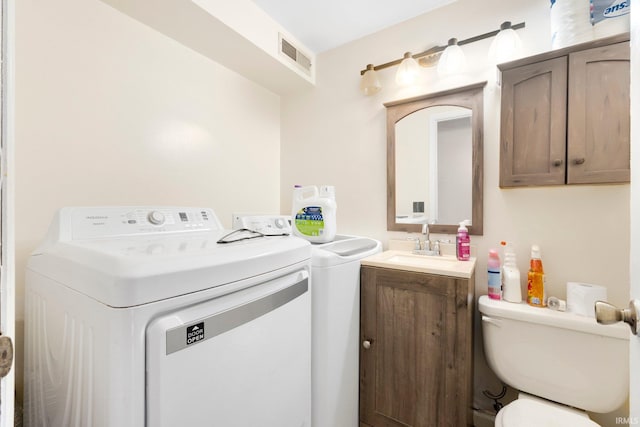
445, 265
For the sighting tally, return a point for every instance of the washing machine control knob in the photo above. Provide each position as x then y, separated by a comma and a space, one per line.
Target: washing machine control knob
156, 217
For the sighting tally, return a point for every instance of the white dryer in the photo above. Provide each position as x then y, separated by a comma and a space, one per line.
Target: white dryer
137, 316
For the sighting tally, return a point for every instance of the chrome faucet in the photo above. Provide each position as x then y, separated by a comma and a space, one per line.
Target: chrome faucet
416, 245
436, 247
425, 245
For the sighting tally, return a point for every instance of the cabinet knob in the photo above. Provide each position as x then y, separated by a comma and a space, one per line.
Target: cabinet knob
578, 161
557, 162
366, 344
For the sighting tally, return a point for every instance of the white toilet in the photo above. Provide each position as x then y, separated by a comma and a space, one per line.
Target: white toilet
562, 364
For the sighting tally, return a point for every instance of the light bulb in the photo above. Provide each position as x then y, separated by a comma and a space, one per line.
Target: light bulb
506, 46
408, 71
452, 61
369, 83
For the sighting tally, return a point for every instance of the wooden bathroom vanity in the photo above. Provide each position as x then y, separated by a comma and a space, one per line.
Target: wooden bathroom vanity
416, 332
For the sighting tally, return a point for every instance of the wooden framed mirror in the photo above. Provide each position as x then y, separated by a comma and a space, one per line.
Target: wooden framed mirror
434, 161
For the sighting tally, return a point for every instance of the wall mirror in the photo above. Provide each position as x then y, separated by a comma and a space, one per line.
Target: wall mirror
434, 161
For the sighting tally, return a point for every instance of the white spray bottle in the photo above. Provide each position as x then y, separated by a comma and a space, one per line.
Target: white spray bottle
511, 289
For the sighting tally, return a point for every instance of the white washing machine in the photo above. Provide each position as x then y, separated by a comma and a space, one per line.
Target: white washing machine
136, 316
335, 274
335, 277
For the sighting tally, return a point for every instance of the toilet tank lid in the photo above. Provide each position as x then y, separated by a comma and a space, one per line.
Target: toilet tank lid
545, 316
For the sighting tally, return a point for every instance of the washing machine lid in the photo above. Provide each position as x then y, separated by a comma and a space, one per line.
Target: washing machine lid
343, 249
124, 262
534, 413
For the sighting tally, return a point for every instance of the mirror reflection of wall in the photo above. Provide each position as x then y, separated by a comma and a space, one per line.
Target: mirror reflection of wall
412, 168
454, 184
425, 139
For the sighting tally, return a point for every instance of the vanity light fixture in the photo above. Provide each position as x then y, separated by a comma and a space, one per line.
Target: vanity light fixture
407, 71
430, 57
452, 61
370, 83
506, 46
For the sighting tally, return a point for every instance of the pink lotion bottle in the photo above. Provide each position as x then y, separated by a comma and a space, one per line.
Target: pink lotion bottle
463, 243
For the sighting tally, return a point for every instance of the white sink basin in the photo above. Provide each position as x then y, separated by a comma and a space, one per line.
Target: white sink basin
442, 265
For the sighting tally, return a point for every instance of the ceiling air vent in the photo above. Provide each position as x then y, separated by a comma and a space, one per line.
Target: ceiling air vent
291, 52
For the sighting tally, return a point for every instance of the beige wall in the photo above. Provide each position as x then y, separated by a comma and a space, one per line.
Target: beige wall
336, 135
110, 112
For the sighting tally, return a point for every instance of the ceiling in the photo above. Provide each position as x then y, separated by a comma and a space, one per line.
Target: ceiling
323, 25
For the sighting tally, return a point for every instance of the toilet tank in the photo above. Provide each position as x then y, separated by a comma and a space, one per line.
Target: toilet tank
559, 356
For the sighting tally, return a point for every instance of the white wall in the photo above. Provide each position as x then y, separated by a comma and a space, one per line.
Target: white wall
335, 135
110, 112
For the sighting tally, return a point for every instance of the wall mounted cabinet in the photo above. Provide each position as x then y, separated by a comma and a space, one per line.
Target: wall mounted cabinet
565, 116
416, 331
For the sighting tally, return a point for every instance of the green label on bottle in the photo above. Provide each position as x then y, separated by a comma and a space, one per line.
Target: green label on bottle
310, 221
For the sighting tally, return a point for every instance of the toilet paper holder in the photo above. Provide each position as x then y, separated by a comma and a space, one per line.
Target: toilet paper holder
607, 314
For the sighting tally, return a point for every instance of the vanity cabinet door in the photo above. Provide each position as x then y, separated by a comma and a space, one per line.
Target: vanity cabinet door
416, 353
598, 123
533, 124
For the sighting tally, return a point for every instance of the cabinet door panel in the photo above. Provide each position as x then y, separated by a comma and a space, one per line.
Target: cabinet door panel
410, 350
598, 131
533, 124
410, 321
